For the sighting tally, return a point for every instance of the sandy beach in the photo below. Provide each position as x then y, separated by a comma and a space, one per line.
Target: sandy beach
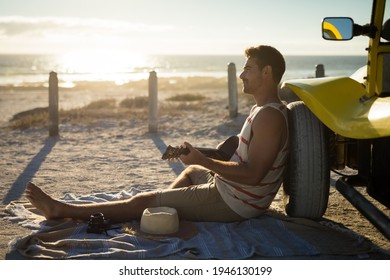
117, 154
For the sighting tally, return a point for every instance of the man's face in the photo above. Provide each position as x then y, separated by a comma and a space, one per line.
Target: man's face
251, 76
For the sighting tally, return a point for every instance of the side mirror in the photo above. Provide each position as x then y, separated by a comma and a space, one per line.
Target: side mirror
337, 28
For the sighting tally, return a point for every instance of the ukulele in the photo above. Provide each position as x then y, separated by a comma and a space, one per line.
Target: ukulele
224, 151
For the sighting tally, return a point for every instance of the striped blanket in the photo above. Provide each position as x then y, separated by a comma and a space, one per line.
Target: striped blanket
271, 235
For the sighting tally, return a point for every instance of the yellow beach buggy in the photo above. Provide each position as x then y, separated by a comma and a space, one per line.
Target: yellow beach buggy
343, 123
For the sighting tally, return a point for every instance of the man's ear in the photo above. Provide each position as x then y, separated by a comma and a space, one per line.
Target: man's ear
267, 70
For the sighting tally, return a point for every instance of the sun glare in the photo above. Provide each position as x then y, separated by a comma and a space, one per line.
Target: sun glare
101, 65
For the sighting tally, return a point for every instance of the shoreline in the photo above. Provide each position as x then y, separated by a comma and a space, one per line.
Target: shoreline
36, 68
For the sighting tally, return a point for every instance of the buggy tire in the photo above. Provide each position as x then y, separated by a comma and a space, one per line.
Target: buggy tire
306, 183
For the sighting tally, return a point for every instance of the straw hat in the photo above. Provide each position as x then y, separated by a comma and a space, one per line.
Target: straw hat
160, 220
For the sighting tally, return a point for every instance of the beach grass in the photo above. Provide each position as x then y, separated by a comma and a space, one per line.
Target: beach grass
29, 120
129, 108
187, 97
140, 102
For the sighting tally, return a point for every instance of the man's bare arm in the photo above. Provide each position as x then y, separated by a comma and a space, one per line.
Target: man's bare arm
268, 136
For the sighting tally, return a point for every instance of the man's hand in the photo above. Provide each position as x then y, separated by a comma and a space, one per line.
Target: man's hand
193, 157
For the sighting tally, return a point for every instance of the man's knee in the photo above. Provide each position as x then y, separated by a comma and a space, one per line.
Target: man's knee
197, 174
194, 169
144, 200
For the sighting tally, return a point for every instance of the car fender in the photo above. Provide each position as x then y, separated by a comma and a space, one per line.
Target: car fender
337, 102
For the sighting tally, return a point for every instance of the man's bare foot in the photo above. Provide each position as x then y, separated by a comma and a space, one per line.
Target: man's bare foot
50, 207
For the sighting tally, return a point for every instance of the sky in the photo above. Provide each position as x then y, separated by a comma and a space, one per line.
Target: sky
175, 26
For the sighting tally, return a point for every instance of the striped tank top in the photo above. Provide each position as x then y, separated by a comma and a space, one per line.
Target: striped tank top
247, 200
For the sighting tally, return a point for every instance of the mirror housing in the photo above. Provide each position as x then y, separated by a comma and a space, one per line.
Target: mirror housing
343, 29
337, 28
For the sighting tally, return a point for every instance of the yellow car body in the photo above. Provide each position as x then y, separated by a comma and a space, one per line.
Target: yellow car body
339, 103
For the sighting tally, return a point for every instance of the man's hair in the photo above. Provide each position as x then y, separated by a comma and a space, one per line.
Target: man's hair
267, 55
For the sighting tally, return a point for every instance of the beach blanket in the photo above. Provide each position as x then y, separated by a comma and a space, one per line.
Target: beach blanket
271, 235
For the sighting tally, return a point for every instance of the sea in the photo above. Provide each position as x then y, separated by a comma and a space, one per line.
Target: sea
33, 70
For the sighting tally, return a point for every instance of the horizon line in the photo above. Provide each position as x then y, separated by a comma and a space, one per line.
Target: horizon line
189, 54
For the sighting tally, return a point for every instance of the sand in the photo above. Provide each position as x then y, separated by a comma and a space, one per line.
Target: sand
112, 155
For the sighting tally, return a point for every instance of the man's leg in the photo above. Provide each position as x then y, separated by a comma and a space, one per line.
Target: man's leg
183, 180
192, 175
201, 203
117, 211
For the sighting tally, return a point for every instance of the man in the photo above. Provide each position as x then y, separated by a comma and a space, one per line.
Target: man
239, 189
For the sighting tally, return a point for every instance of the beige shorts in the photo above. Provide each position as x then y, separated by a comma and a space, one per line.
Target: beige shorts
201, 202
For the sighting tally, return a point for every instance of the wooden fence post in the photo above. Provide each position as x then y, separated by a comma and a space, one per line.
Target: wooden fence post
53, 104
153, 102
320, 71
232, 85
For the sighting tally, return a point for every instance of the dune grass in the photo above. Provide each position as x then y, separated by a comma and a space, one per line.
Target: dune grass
30, 120
187, 97
129, 108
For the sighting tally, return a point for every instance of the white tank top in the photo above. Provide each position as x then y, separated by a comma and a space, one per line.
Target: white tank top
247, 200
